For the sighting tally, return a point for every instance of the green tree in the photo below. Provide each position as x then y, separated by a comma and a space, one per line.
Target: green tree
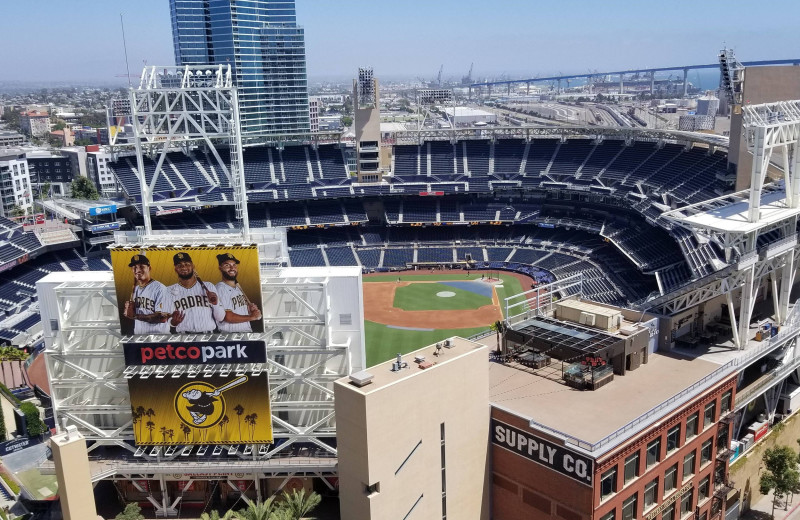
780, 473
299, 503
214, 515
259, 511
45, 191
131, 512
32, 418
498, 328
83, 188
16, 211
347, 120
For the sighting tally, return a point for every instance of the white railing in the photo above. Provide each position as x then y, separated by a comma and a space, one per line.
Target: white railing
789, 331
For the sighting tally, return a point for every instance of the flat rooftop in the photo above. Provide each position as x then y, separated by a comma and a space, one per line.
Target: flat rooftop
383, 375
733, 217
593, 415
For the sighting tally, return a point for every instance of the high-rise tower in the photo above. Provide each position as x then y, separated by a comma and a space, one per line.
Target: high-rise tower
262, 42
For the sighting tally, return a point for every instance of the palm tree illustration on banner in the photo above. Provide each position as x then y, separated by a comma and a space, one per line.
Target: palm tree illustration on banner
163, 431
170, 434
140, 413
186, 431
150, 427
223, 425
239, 409
136, 419
251, 422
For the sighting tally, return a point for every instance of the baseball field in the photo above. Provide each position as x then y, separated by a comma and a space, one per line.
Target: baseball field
406, 310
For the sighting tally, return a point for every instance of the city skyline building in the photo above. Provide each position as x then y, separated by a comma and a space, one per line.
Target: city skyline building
265, 47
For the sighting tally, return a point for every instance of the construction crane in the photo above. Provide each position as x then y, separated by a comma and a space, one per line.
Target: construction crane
439, 77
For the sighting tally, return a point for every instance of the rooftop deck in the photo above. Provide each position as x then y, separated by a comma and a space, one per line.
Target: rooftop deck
592, 420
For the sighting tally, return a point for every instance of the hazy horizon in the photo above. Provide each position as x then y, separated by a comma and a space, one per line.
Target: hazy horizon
411, 39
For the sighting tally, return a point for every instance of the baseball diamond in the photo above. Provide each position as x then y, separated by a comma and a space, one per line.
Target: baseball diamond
403, 312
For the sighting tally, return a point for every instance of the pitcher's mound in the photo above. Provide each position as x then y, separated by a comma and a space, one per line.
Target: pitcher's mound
445, 294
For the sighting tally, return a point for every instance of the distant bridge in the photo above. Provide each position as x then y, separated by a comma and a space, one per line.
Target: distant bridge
622, 73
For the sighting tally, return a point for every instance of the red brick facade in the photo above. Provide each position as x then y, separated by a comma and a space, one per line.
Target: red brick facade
523, 489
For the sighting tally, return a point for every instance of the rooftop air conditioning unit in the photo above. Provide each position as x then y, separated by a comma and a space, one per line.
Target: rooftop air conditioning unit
362, 378
587, 318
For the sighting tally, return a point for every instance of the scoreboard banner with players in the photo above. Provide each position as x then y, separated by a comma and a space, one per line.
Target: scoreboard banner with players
177, 290
231, 409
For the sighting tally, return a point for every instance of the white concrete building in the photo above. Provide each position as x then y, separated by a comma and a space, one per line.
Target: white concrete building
466, 116
15, 183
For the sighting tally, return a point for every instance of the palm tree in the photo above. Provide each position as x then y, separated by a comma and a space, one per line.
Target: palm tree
498, 327
259, 510
214, 515
239, 409
171, 434
163, 433
299, 503
224, 422
186, 431
151, 426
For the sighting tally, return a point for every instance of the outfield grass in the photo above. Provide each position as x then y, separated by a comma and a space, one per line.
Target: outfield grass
422, 297
383, 343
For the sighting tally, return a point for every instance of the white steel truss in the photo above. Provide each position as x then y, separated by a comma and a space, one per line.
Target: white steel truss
736, 221
177, 108
89, 382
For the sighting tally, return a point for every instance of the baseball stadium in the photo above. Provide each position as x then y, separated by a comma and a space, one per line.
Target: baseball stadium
472, 233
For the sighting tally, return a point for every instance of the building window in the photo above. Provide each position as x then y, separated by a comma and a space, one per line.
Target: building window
631, 467
670, 479
610, 515
651, 493
673, 437
688, 465
629, 508
725, 402
703, 516
722, 438
708, 415
654, 452
705, 452
608, 483
686, 502
691, 425
703, 489
668, 513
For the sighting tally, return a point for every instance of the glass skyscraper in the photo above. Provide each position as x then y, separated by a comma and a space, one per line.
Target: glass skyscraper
262, 42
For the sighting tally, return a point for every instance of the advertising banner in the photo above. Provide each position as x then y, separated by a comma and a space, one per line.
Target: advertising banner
103, 210
194, 353
109, 226
232, 409
177, 290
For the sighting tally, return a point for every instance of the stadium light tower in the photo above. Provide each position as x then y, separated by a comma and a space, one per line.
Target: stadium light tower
177, 108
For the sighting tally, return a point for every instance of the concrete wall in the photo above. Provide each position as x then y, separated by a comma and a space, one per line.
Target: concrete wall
391, 438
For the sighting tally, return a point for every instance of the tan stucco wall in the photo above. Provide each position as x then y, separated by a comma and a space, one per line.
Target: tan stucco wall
392, 436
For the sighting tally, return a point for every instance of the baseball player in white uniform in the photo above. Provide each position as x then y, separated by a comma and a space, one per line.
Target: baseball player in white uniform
239, 311
149, 303
195, 304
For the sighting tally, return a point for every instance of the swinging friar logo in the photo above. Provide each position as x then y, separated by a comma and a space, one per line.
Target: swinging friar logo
201, 405
541, 451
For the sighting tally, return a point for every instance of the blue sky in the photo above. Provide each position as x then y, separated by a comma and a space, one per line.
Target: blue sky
53, 40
